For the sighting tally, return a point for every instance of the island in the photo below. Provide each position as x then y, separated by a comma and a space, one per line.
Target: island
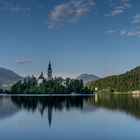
30, 85
49, 85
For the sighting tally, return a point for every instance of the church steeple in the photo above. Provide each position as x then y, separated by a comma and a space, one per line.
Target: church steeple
49, 67
49, 71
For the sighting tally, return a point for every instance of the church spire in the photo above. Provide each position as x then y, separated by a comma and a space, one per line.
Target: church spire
49, 67
49, 71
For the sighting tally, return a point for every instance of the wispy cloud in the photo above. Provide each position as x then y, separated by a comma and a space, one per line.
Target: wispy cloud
110, 31
133, 32
21, 61
130, 33
118, 9
136, 18
115, 12
14, 7
69, 12
127, 5
123, 32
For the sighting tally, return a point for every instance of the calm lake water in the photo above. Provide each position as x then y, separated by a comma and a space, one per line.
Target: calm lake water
70, 118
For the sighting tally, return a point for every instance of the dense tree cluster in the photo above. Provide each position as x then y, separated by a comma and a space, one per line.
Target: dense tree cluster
55, 86
125, 82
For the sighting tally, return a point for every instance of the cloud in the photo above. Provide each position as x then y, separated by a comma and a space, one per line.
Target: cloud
116, 12
14, 7
127, 5
110, 31
133, 32
136, 18
123, 32
69, 12
21, 61
119, 9
130, 33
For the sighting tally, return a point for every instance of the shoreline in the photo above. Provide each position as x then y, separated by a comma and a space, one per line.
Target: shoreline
119, 93
47, 95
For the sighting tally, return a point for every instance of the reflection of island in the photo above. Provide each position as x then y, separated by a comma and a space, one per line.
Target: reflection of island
7, 107
42, 104
11, 105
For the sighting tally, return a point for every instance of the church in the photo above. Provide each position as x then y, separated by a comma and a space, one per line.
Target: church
49, 72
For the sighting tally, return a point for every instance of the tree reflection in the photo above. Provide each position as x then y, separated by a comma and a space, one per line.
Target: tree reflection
126, 103
51, 103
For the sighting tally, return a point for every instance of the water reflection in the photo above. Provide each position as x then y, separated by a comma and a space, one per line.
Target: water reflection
126, 103
12, 105
7, 108
41, 104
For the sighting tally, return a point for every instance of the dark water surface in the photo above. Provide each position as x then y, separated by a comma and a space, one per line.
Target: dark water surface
115, 117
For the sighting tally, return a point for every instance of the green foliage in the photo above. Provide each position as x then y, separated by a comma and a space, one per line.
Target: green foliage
57, 86
125, 82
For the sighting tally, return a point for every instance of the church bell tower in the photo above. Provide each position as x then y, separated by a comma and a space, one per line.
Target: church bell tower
49, 71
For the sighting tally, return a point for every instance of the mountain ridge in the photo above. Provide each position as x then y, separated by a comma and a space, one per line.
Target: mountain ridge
87, 77
8, 78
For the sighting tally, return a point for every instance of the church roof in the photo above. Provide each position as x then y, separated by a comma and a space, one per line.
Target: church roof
60, 79
41, 76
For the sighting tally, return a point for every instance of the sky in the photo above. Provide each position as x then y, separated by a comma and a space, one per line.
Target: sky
100, 37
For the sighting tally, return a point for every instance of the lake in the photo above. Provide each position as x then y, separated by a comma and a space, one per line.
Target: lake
110, 117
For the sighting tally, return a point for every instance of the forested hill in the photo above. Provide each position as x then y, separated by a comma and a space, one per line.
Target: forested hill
128, 81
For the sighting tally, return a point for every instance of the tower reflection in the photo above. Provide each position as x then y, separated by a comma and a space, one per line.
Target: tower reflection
48, 104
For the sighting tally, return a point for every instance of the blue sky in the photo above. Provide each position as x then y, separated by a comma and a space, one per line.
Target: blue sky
100, 37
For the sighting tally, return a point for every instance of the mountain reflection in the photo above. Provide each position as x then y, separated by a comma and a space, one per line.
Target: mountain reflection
7, 108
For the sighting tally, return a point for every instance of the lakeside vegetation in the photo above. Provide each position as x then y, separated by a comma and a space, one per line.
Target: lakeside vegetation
130, 81
55, 86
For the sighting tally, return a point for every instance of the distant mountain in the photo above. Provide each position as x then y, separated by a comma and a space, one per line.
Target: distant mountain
87, 77
129, 81
8, 78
